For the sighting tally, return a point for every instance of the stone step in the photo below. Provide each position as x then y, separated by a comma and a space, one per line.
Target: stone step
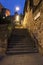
29, 49
21, 41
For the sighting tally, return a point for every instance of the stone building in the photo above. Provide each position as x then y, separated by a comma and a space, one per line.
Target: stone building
3, 29
1, 7
33, 21
4, 11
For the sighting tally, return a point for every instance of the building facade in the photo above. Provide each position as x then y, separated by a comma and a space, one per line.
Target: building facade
4, 11
33, 21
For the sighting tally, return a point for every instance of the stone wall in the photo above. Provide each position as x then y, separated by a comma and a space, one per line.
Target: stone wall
3, 39
35, 26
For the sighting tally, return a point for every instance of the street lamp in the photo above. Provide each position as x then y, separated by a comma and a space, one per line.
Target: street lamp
17, 8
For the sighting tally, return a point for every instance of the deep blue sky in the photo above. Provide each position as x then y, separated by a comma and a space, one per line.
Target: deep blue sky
11, 4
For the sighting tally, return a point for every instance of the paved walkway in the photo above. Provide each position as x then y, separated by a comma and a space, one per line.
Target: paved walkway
23, 59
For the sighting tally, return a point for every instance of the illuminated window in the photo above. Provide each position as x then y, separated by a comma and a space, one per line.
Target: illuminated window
7, 13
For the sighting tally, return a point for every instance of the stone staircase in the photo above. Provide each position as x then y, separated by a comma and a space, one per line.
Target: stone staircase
20, 41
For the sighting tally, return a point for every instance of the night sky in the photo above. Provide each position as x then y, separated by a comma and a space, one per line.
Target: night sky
11, 4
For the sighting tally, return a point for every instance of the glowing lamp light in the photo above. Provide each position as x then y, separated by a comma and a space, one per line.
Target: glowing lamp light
37, 16
17, 8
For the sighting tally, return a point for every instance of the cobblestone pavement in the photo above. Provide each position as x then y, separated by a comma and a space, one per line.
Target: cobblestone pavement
23, 59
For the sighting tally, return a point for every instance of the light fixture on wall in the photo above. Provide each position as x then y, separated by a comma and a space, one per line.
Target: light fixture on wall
37, 16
